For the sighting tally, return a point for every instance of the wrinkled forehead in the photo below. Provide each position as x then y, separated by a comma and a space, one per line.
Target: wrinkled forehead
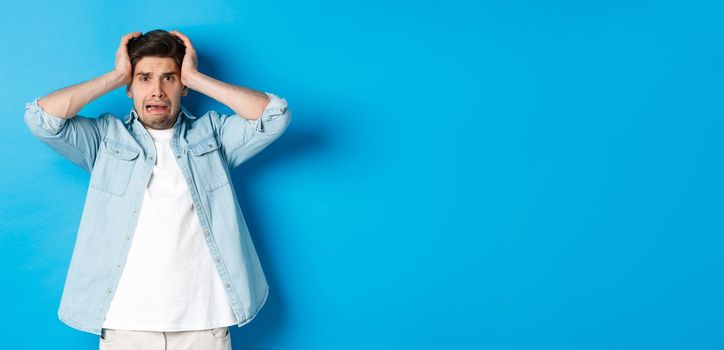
156, 65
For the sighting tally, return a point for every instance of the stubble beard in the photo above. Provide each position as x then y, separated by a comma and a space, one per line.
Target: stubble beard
158, 123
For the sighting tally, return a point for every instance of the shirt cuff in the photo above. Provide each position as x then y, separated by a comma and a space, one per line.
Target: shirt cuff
276, 107
44, 119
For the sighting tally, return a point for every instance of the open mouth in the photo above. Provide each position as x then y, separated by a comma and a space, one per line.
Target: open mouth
153, 108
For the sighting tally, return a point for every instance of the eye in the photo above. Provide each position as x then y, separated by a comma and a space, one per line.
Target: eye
142, 78
168, 78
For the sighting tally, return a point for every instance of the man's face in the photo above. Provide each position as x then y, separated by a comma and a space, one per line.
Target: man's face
156, 90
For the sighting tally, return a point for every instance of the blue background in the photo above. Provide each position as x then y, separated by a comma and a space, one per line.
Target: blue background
458, 175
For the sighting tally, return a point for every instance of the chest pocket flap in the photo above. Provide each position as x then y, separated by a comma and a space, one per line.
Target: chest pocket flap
119, 150
205, 146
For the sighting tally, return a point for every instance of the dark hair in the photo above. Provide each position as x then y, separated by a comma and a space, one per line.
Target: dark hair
156, 43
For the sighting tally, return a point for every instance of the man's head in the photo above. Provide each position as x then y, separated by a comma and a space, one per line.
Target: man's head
156, 86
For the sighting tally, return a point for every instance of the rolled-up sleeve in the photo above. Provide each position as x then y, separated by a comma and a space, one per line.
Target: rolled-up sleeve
274, 110
76, 139
40, 122
243, 138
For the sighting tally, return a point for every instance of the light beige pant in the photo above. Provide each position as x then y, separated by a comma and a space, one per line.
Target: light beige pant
207, 339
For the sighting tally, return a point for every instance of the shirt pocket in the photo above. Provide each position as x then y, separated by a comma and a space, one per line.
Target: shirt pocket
209, 163
114, 167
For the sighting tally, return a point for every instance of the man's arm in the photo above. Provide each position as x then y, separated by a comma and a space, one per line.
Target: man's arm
54, 121
245, 102
260, 118
66, 103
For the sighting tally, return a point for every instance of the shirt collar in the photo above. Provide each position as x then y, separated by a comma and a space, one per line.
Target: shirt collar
133, 115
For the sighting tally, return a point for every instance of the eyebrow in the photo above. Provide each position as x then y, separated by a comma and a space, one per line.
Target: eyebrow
162, 74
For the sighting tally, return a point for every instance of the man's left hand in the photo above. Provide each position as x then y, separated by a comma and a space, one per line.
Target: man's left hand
190, 64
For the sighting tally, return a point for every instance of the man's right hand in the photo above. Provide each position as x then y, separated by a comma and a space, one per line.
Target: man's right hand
123, 62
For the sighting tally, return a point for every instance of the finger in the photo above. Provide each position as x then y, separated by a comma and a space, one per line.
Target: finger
179, 34
183, 38
131, 35
126, 38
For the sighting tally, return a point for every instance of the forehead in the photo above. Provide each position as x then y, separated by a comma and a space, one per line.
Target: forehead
156, 65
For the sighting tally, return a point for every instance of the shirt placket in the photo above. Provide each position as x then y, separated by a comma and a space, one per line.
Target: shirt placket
182, 158
139, 187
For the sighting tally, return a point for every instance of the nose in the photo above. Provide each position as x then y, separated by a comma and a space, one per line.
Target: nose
157, 92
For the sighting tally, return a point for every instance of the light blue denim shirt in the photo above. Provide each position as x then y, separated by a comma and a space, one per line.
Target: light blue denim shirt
119, 155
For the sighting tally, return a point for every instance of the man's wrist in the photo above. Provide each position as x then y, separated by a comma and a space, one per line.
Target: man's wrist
191, 80
113, 80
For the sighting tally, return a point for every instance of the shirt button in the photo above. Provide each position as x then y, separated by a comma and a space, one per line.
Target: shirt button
210, 145
118, 266
109, 290
218, 260
128, 238
227, 286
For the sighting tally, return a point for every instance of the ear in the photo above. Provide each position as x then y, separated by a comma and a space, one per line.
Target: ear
185, 91
128, 91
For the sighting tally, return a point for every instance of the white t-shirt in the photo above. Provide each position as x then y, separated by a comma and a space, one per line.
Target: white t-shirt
169, 282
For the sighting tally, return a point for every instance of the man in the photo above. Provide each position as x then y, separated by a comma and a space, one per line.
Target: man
163, 258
